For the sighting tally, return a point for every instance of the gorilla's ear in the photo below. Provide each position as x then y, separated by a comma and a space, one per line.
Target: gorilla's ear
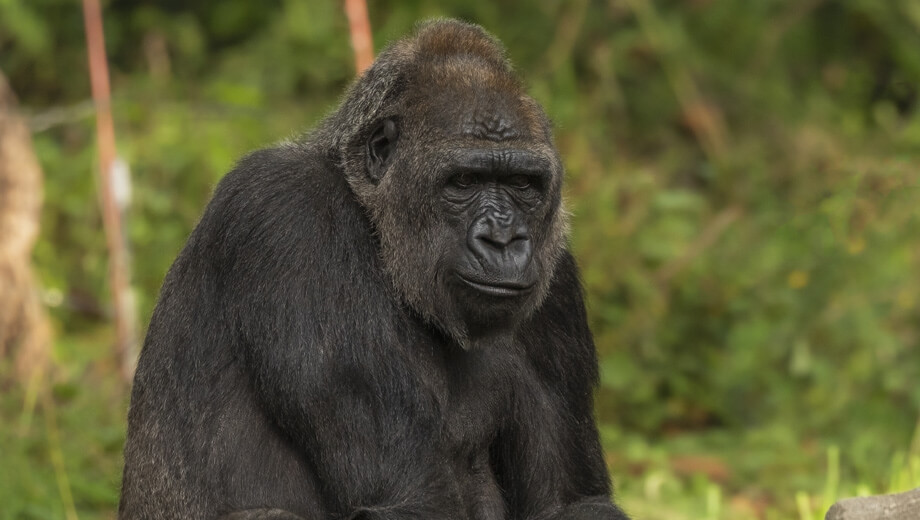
380, 147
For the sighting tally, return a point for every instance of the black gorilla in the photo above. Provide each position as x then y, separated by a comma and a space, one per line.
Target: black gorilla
380, 321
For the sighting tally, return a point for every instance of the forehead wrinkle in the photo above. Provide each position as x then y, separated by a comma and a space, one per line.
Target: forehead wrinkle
476, 111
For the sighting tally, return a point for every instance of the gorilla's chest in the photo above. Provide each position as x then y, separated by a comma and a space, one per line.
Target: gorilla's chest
476, 399
476, 404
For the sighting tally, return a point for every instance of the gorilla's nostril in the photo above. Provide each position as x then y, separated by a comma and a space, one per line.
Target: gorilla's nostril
494, 241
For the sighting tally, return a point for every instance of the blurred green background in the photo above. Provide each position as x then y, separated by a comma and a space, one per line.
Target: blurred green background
743, 178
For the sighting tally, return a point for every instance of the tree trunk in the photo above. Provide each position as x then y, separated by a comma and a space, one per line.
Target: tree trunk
902, 506
24, 329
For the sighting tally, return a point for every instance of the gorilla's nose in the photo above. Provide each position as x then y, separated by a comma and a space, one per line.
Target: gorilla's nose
501, 245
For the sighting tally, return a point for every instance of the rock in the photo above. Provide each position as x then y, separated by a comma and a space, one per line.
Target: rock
901, 506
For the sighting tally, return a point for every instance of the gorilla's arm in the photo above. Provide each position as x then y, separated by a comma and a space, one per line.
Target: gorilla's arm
319, 336
551, 455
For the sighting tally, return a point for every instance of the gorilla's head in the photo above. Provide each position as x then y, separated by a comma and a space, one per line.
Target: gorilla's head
457, 170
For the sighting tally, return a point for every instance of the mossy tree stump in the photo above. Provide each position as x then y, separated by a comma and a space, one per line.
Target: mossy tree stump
24, 328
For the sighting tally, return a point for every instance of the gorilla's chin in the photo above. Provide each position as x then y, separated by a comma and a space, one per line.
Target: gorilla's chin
495, 315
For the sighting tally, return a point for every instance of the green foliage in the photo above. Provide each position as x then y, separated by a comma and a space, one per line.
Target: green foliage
72, 445
742, 177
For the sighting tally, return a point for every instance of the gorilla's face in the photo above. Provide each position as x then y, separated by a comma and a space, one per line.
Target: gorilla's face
466, 203
492, 200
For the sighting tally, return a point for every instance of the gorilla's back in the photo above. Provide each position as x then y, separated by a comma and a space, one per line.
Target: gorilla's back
194, 422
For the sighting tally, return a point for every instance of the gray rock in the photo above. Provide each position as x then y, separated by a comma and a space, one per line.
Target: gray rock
901, 506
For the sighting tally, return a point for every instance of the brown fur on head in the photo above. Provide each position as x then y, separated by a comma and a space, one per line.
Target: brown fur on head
447, 90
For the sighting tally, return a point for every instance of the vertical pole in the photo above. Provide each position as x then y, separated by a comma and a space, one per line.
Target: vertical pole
360, 28
119, 274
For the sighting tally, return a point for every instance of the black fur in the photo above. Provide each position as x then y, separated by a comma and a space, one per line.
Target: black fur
313, 355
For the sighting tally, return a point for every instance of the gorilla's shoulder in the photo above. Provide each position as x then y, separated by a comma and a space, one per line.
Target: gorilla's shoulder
279, 199
282, 185
289, 168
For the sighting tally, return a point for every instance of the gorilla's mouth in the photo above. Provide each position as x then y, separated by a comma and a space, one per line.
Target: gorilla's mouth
502, 289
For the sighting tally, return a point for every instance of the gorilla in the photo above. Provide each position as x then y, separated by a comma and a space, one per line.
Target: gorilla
380, 320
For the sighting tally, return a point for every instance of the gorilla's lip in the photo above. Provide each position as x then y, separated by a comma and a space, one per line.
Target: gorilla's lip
503, 288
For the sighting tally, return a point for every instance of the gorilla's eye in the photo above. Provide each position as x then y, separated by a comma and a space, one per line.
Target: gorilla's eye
463, 180
521, 182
